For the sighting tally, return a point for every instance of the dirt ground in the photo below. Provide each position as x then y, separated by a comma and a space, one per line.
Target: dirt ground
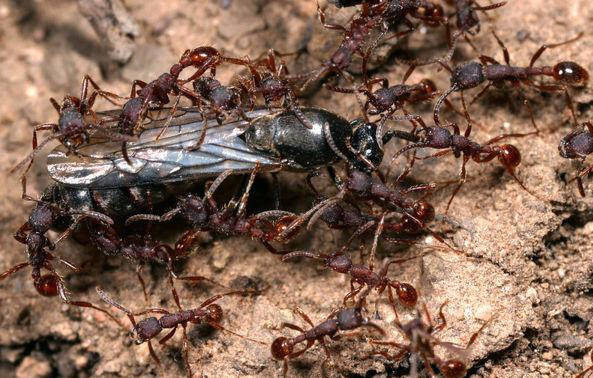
529, 261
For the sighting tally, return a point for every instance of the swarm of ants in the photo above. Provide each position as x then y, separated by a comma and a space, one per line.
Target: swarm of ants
160, 158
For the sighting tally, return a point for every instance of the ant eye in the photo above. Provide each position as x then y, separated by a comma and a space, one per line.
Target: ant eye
47, 285
570, 73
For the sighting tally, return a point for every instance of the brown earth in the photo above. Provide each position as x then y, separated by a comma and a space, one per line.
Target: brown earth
528, 267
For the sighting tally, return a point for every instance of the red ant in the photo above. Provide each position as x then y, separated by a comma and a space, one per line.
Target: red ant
422, 342
156, 93
275, 85
472, 74
203, 214
32, 234
440, 138
388, 99
341, 320
467, 18
145, 330
72, 130
577, 145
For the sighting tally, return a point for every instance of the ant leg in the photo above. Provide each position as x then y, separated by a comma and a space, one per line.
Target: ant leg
153, 218
305, 317
216, 183
106, 95
170, 118
14, 269
321, 15
505, 51
543, 48
64, 297
378, 233
142, 283
245, 196
136, 83
582, 374
462, 177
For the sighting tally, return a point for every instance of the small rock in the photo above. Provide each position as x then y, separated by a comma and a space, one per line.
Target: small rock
571, 343
32, 367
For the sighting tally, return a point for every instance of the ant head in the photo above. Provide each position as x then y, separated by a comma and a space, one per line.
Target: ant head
576, 144
407, 294
350, 318
214, 313
199, 56
47, 285
194, 209
570, 73
146, 329
272, 88
205, 85
453, 368
509, 155
423, 211
340, 263
468, 75
281, 347
437, 137
41, 217
365, 143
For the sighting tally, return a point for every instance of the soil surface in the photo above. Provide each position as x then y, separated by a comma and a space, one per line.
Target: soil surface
527, 264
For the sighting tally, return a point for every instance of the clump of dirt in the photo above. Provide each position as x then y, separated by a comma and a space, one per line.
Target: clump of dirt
527, 263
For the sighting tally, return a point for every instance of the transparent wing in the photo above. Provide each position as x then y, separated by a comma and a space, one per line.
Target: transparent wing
100, 164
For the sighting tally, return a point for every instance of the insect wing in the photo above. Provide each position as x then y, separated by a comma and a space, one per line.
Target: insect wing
170, 158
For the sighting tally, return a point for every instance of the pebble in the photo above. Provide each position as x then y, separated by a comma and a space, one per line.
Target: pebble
32, 367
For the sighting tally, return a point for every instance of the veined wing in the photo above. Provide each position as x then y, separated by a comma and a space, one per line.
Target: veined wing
100, 164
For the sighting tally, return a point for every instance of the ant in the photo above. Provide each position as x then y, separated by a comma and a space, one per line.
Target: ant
462, 146
156, 93
345, 319
387, 14
577, 145
388, 99
32, 234
275, 85
72, 130
147, 329
467, 18
472, 74
422, 342
203, 214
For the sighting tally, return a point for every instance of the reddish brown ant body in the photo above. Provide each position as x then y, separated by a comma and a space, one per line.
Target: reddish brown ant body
472, 74
423, 342
578, 144
373, 14
364, 276
147, 329
72, 129
342, 320
462, 146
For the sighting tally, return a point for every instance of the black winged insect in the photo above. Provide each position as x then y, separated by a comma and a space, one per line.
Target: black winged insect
101, 181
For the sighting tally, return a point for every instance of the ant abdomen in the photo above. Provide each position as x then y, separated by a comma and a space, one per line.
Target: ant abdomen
214, 313
453, 368
407, 294
281, 347
47, 285
570, 73
509, 155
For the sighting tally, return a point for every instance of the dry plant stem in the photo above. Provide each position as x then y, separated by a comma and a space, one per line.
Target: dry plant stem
114, 25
